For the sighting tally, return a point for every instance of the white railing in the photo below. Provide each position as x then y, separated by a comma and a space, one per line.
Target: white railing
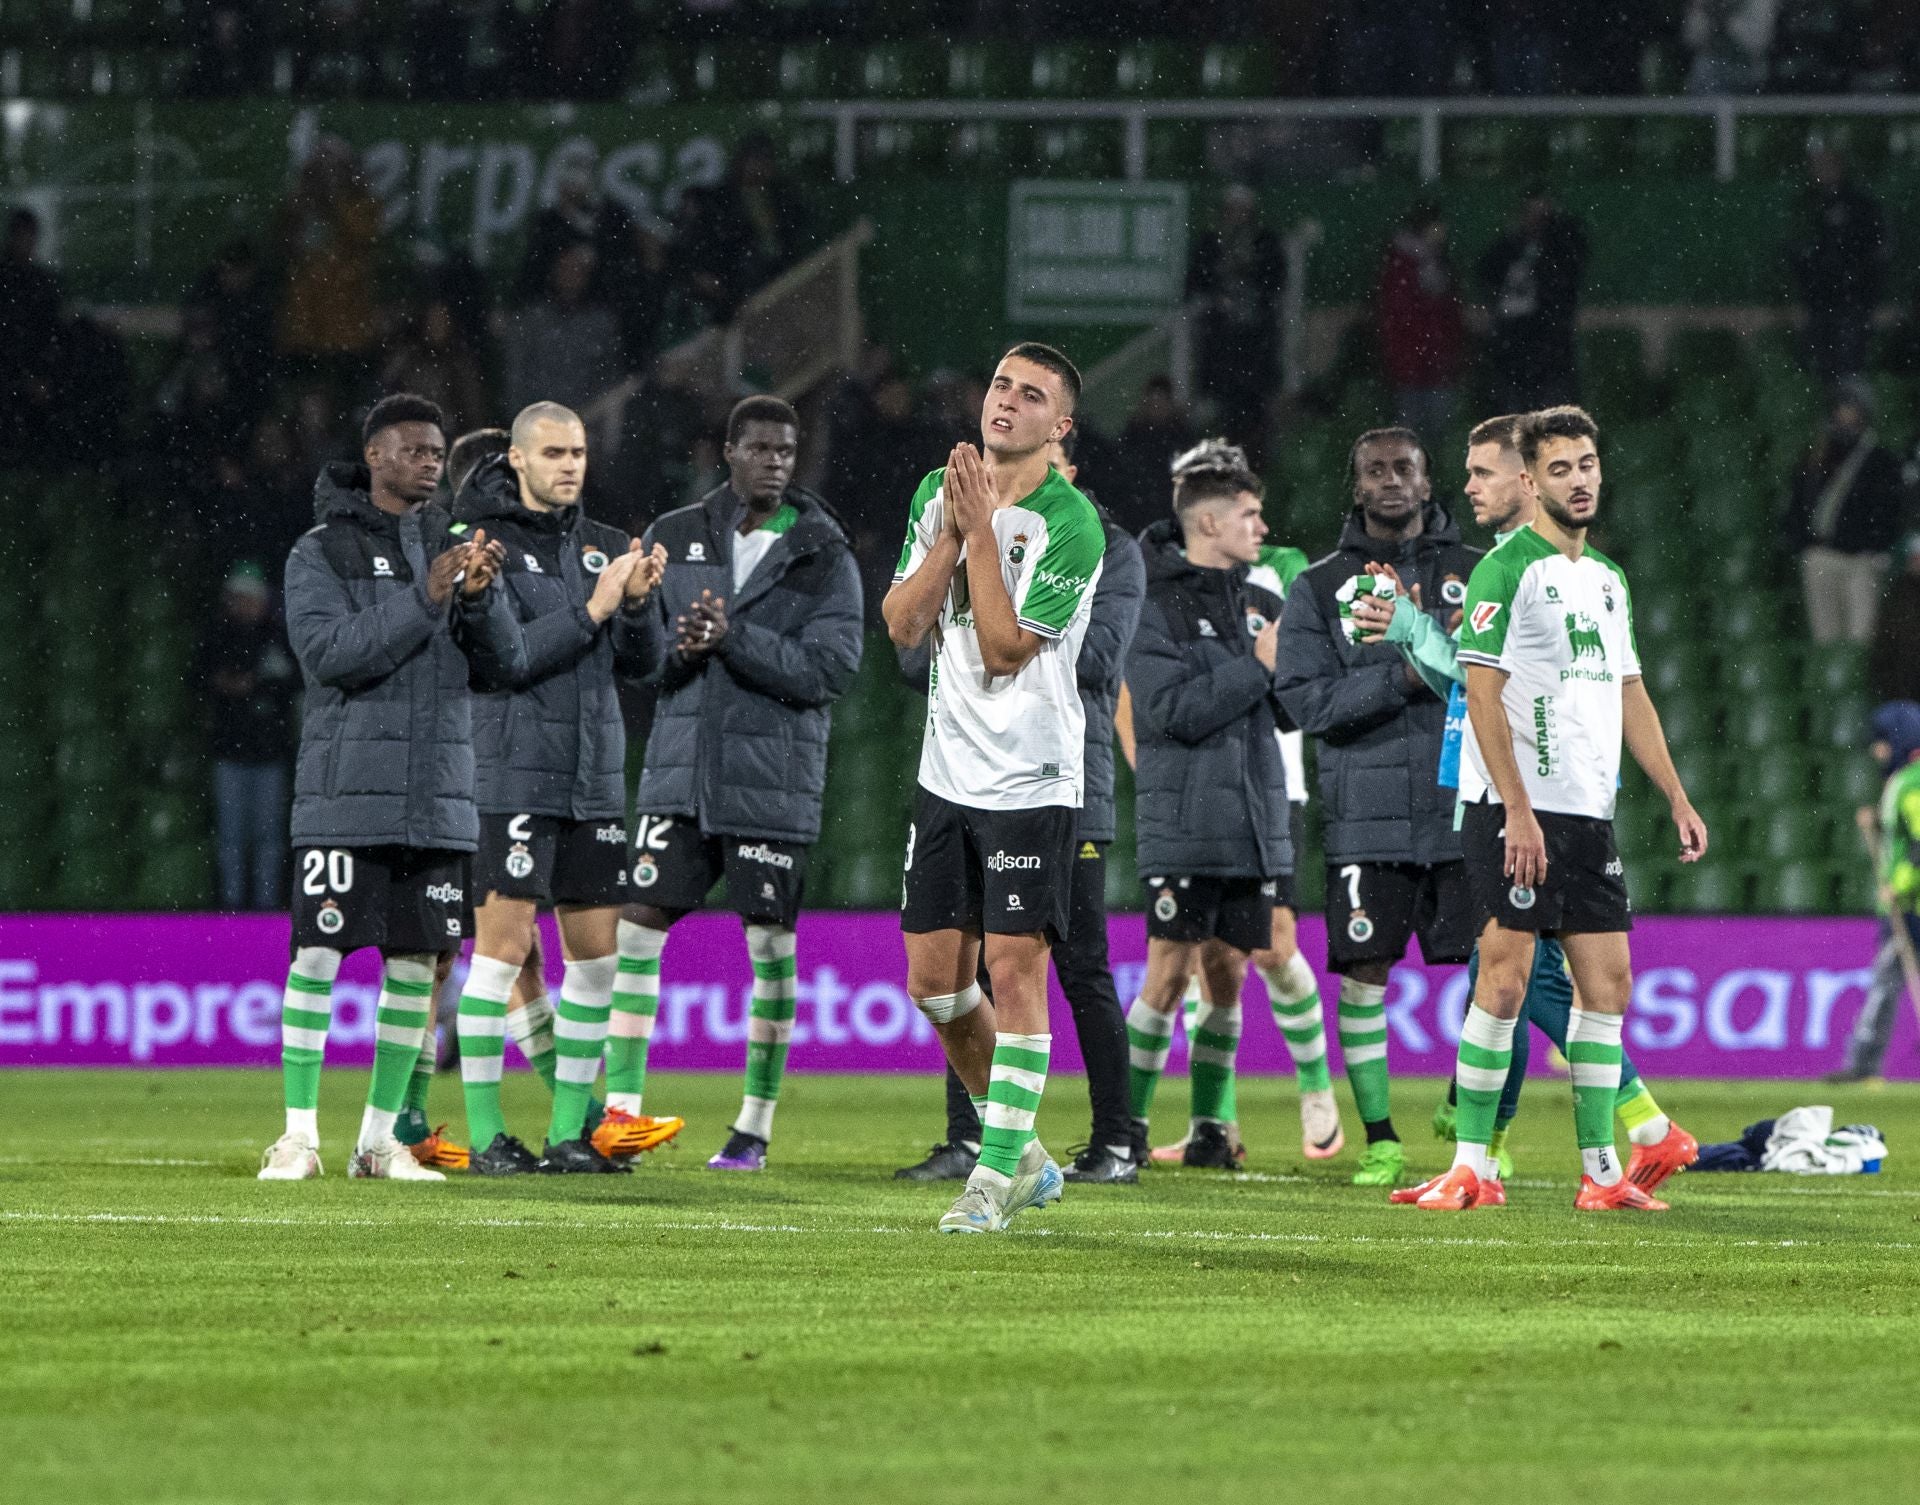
1133, 116
798, 329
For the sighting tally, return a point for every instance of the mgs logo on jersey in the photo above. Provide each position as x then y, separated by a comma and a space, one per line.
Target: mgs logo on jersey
330, 919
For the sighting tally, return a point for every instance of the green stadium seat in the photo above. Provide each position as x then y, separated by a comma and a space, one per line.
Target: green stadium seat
1672, 147
1854, 889
1176, 149
1854, 780
1716, 888
808, 71
1841, 723
1078, 149
1231, 70
1770, 145
1780, 776
1837, 669
1798, 888
177, 875
985, 71
1589, 148
1064, 70
1791, 833
900, 146
899, 70
1479, 147
989, 146
1156, 70
1764, 723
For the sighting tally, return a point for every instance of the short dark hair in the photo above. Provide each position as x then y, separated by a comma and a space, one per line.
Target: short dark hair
470, 451
1503, 431
1054, 361
401, 407
1565, 422
1394, 435
760, 410
1214, 483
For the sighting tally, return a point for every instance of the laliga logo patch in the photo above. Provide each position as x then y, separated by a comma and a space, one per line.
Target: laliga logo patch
519, 862
1359, 929
645, 873
593, 561
1483, 615
1520, 898
1165, 907
1453, 590
330, 920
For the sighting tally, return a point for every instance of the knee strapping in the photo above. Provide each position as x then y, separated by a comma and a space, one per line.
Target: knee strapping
944, 1008
590, 981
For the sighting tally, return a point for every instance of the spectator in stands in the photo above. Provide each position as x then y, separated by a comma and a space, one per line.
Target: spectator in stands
1134, 486
565, 347
30, 301
233, 295
1839, 265
249, 679
1728, 40
1421, 322
1531, 274
1234, 280
328, 230
1843, 516
1893, 658
740, 234
434, 361
630, 261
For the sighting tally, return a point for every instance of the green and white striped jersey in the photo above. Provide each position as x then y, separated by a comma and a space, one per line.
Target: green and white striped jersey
1562, 629
1275, 570
1018, 741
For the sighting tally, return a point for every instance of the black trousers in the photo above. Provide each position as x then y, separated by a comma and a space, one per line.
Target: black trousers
1098, 1019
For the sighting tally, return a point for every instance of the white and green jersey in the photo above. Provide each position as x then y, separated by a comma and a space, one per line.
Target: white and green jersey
1275, 570
1014, 741
1562, 629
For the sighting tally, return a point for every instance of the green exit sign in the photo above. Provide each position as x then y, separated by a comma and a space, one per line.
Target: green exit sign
1105, 252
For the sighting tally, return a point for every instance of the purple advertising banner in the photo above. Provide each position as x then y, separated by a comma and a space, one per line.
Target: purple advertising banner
1712, 997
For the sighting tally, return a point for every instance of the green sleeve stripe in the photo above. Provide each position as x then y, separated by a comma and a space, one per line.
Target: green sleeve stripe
929, 486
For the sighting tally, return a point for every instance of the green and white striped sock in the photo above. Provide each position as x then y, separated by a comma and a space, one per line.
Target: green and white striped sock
531, 1025
1190, 1002
1013, 1099
1363, 1045
769, 1025
482, 1028
636, 1000
420, 1082
1296, 1009
579, 1039
1593, 1057
306, 1009
1480, 1074
1212, 1047
400, 1028
1149, 1041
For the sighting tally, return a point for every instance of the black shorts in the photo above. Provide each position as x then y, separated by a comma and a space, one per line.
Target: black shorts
675, 866
401, 899
1375, 908
552, 860
997, 872
1585, 892
1238, 911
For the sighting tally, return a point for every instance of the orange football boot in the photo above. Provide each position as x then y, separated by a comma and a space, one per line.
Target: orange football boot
621, 1135
1622, 1196
439, 1152
1487, 1193
1459, 1191
1652, 1164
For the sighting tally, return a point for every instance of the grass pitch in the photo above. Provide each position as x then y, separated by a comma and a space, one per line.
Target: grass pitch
174, 1330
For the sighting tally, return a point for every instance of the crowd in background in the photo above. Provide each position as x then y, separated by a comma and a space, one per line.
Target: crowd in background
595, 49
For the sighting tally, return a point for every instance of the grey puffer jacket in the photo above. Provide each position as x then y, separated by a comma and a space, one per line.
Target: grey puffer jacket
1379, 730
386, 743
548, 738
1210, 790
740, 737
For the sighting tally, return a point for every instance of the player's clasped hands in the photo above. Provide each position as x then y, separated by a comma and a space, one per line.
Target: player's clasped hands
969, 492
703, 626
444, 572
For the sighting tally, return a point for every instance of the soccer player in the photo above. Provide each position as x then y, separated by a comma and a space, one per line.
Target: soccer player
1553, 685
550, 761
1001, 561
763, 595
1393, 860
1212, 813
1086, 976
1497, 491
381, 598
1292, 992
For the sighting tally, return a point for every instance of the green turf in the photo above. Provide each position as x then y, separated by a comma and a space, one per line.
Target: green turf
175, 1330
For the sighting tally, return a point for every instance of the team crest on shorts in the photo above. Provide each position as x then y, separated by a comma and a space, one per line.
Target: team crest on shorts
1166, 906
593, 561
519, 862
645, 873
1520, 897
330, 919
1359, 928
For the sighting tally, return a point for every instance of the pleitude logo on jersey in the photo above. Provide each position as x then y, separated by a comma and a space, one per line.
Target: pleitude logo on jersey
593, 561
1583, 638
766, 854
1000, 862
519, 862
330, 920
